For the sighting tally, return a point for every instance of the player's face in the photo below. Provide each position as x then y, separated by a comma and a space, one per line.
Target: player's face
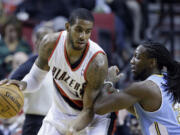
140, 64
79, 33
11, 32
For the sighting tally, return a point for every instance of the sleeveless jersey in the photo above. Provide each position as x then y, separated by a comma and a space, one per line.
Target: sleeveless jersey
164, 121
69, 82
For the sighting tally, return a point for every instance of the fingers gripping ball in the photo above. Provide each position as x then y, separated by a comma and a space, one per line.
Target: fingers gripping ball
11, 101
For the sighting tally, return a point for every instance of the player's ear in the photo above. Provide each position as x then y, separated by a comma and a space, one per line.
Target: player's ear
153, 63
67, 25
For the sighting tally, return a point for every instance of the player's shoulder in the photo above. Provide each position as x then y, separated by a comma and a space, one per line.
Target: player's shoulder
143, 89
95, 46
50, 38
92, 42
49, 41
99, 56
98, 53
100, 59
98, 66
143, 85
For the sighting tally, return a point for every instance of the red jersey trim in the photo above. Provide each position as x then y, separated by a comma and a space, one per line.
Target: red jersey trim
114, 125
55, 46
91, 61
79, 103
85, 53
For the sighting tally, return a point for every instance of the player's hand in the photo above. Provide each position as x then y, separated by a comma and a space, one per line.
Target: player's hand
113, 74
21, 84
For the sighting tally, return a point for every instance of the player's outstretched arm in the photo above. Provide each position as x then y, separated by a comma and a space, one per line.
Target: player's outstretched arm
136, 92
95, 76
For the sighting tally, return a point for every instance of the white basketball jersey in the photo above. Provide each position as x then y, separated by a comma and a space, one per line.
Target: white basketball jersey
69, 82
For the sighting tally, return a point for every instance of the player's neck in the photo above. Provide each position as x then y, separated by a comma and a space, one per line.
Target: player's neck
156, 71
72, 54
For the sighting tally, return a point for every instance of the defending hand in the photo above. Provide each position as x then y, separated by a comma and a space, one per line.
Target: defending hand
113, 74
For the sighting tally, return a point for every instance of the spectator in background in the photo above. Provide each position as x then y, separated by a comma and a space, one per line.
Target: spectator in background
18, 59
44, 10
9, 6
37, 103
136, 15
1, 8
130, 13
120, 9
123, 23
88, 4
11, 43
102, 7
122, 128
41, 10
133, 124
59, 23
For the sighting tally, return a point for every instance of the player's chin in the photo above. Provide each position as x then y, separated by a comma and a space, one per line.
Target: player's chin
80, 46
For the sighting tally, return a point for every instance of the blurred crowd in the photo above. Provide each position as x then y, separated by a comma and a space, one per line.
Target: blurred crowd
21, 22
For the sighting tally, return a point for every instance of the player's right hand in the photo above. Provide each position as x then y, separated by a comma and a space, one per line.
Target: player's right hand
113, 74
21, 84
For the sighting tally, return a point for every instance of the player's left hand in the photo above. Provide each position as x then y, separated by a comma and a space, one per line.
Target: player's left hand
21, 84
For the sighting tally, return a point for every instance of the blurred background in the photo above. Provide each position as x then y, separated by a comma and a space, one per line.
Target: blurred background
120, 25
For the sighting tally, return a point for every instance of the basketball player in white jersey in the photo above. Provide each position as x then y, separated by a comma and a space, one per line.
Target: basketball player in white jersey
155, 97
79, 67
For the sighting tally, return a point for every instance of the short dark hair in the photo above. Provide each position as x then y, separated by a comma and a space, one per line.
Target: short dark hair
164, 59
80, 13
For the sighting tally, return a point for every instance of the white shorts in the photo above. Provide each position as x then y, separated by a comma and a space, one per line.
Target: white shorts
56, 123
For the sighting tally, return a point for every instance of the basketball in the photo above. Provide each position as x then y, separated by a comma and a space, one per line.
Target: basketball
11, 100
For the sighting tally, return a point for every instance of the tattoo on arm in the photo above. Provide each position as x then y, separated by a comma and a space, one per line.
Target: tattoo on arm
96, 74
45, 49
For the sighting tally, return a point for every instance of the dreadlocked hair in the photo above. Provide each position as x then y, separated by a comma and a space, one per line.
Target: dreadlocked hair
164, 59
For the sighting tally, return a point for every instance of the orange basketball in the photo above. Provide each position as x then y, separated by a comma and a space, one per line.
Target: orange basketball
11, 100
